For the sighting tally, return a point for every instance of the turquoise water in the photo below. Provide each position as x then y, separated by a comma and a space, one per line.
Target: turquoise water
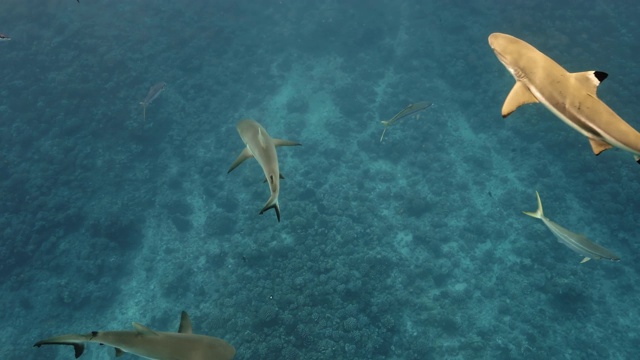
410, 248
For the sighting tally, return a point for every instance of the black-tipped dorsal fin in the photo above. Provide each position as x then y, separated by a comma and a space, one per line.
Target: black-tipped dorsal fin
143, 329
119, 352
519, 95
590, 79
185, 324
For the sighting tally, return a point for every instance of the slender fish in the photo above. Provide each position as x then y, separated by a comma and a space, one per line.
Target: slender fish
409, 110
4, 37
576, 242
154, 91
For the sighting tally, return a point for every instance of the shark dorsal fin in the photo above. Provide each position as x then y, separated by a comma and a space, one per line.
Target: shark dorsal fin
185, 324
519, 95
143, 330
119, 352
590, 80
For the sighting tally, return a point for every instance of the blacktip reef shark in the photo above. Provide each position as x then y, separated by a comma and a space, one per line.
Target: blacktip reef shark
4, 37
570, 96
410, 109
154, 91
576, 242
262, 147
151, 344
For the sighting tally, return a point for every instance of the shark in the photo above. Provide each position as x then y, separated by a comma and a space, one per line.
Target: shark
262, 147
151, 344
570, 96
576, 242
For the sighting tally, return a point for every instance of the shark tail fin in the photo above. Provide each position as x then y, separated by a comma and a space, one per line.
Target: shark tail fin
77, 341
538, 214
272, 203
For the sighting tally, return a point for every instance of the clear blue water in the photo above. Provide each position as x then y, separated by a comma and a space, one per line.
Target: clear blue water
413, 248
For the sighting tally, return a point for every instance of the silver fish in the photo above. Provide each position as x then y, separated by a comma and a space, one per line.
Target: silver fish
576, 242
409, 110
154, 91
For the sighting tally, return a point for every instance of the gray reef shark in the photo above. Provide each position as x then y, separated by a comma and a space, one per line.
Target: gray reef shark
151, 344
262, 147
570, 96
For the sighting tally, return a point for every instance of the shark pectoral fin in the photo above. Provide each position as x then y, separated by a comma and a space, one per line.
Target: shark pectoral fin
141, 329
119, 352
585, 260
280, 142
519, 95
185, 324
636, 158
244, 155
590, 79
599, 146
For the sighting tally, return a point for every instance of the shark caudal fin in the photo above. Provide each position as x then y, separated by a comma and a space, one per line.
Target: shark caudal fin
77, 341
272, 203
538, 214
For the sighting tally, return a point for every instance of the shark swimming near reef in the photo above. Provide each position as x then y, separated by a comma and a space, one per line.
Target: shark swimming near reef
262, 147
570, 96
151, 344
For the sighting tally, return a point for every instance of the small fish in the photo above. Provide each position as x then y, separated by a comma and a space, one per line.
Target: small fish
576, 242
154, 91
4, 37
410, 109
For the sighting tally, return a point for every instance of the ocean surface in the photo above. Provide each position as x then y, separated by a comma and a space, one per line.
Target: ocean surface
415, 247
